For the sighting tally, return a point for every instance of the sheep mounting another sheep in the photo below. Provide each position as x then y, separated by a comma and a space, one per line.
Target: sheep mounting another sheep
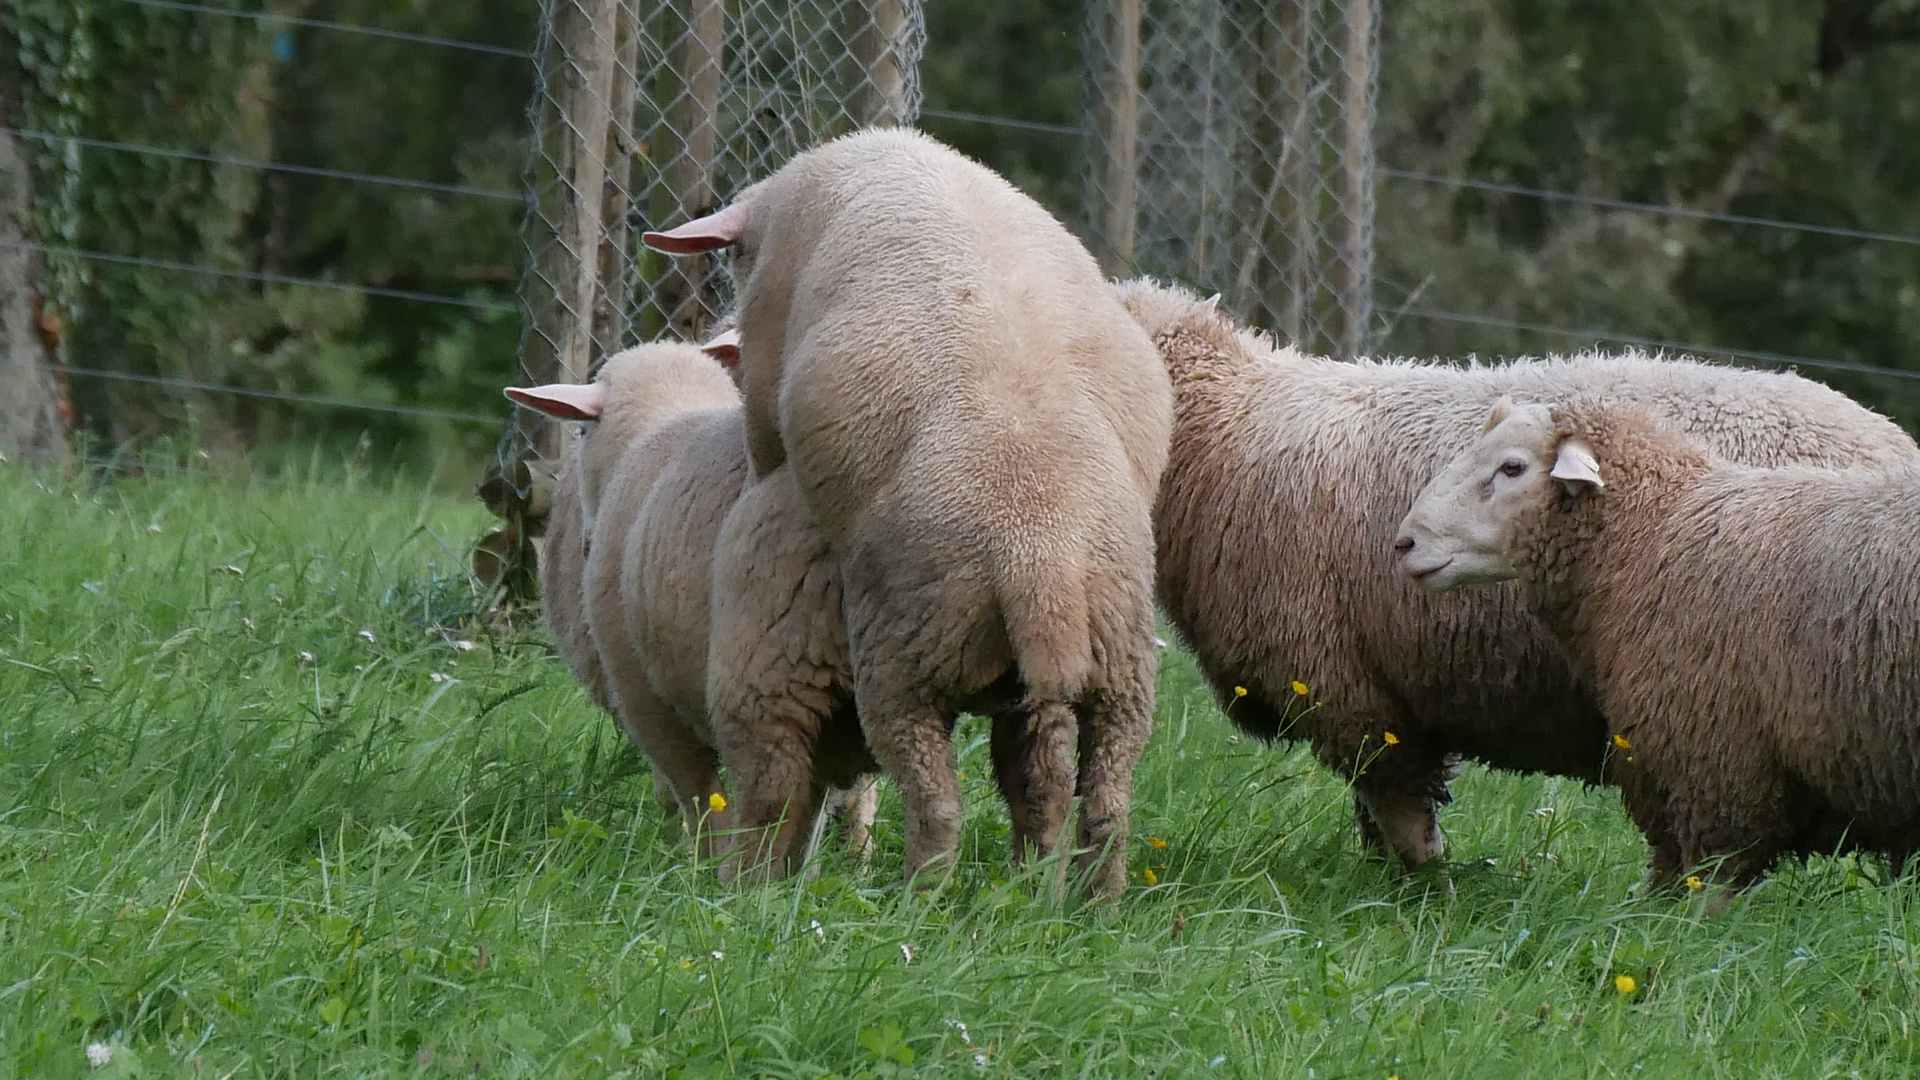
1752, 635
979, 431
1287, 478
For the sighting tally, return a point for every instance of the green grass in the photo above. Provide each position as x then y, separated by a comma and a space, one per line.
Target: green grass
237, 837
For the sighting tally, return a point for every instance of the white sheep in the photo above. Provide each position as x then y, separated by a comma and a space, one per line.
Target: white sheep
1289, 474
979, 431
1752, 635
655, 478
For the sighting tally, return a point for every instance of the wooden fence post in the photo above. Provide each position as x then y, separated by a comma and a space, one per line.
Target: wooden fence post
1119, 131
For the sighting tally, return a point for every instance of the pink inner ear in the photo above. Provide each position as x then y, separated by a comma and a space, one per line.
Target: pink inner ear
724, 347
716, 230
568, 401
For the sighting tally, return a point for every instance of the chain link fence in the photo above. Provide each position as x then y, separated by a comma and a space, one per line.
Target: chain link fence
644, 115
1230, 146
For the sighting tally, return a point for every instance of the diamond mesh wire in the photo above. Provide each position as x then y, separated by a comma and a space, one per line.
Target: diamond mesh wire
1231, 147
645, 114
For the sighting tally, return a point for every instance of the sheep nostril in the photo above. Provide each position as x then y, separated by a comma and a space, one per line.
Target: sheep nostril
1403, 544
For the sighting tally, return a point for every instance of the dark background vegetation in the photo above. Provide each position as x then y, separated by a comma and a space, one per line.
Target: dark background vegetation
1781, 109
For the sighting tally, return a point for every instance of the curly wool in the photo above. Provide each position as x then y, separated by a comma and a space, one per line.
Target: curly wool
1752, 636
1287, 479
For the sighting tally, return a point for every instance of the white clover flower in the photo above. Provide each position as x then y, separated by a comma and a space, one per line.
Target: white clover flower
438, 677
99, 1054
366, 636
303, 657
463, 645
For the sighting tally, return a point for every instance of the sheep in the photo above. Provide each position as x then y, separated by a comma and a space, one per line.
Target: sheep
779, 686
562, 565
1751, 634
1288, 476
653, 482
979, 431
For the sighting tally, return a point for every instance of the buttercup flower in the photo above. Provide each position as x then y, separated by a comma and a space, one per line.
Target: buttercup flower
1625, 984
1151, 877
1299, 688
1694, 882
716, 802
1392, 739
1156, 843
1239, 691
1621, 742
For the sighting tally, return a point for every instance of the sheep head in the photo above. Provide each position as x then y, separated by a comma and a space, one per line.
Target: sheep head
1460, 529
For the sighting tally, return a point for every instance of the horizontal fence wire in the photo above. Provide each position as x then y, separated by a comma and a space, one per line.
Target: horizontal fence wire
144, 466
260, 276
1547, 194
1002, 121
315, 400
264, 166
319, 401
1650, 208
1760, 355
323, 24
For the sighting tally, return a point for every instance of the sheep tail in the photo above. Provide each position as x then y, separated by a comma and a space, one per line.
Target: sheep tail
1048, 626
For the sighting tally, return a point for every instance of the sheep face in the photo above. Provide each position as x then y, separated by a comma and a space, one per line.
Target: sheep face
1460, 529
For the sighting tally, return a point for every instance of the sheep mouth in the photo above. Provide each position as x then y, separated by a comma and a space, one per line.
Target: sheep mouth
1426, 575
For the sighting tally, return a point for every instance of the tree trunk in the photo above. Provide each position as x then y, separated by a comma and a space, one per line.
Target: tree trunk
31, 424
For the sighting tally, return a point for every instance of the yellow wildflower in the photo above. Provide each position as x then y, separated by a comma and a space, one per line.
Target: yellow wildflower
1299, 688
1621, 742
1239, 691
1156, 843
1694, 882
716, 802
1625, 984
1151, 877
1392, 739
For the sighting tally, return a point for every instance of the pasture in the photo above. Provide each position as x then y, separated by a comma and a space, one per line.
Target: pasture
275, 801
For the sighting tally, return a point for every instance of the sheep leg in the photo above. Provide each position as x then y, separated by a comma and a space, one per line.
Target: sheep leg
1033, 761
857, 814
689, 768
913, 745
777, 806
1408, 822
769, 749
1113, 734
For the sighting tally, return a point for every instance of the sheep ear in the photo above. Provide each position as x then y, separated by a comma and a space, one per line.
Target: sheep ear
1575, 464
1501, 410
568, 401
724, 347
716, 230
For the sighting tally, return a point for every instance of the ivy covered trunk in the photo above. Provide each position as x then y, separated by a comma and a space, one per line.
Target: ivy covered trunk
30, 420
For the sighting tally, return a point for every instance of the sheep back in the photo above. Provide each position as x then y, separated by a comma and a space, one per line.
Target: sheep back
1286, 484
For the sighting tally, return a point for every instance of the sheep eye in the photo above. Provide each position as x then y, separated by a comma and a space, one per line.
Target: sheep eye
1513, 468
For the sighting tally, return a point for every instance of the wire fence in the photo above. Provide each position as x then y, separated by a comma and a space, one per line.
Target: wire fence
1231, 145
1385, 318
1225, 145
648, 114
74, 144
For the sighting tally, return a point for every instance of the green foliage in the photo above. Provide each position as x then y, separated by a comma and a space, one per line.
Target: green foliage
205, 83
268, 815
1008, 59
1755, 107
